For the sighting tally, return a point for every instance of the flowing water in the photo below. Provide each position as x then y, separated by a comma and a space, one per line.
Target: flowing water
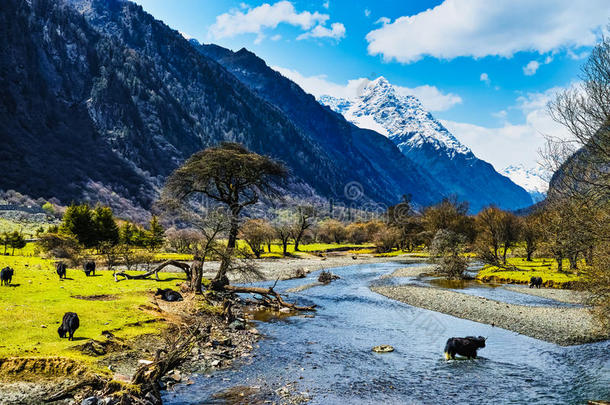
329, 356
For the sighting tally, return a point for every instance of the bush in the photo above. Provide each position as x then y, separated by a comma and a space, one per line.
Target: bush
451, 266
331, 231
446, 248
61, 246
386, 239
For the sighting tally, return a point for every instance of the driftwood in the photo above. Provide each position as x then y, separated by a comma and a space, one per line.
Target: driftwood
94, 382
269, 297
184, 266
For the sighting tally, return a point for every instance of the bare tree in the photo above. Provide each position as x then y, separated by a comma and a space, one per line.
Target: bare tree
304, 221
510, 231
231, 175
256, 233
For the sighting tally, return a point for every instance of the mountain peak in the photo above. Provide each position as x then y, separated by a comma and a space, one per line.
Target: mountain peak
533, 180
382, 107
386, 109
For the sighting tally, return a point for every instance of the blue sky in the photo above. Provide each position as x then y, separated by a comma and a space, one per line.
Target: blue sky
486, 69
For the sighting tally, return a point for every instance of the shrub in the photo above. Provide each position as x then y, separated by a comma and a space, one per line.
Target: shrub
386, 239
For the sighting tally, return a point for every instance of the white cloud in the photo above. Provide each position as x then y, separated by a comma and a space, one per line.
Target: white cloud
383, 21
531, 68
367, 12
336, 31
513, 143
276, 37
326, 5
479, 28
485, 78
431, 97
267, 16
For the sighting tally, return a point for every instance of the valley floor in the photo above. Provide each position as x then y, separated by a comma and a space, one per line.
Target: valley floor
561, 325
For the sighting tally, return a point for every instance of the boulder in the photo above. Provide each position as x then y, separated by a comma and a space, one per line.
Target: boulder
90, 401
383, 349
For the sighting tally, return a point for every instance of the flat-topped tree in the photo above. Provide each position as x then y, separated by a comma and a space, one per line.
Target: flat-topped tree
229, 174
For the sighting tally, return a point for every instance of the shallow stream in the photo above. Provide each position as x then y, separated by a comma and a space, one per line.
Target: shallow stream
329, 356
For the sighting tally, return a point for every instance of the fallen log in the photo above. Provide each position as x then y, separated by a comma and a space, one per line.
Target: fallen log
184, 266
269, 297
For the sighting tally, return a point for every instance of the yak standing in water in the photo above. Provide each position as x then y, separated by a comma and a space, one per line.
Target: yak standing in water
466, 347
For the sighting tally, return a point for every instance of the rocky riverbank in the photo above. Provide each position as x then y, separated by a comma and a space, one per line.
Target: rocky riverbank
561, 325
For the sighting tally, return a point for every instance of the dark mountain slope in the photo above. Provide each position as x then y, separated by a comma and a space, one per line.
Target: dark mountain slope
366, 151
99, 97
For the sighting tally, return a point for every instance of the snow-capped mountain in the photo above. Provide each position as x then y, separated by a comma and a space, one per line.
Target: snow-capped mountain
532, 180
379, 106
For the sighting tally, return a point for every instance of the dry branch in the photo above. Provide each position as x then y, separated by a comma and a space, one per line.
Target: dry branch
269, 296
185, 267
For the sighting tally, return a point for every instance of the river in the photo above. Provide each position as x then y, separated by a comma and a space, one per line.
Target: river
329, 358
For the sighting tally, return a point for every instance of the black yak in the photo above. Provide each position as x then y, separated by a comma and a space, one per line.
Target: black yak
535, 282
467, 346
89, 268
167, 294
6, 276
69, 325
61, 269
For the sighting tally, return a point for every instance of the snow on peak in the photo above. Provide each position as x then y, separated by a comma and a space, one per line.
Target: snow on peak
531, 179
380, 107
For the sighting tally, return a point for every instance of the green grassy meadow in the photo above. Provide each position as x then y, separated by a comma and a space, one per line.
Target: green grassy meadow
540, 267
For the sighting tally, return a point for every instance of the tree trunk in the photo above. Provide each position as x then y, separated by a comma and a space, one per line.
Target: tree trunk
559, 259
296, 243
285, 246
504, 254
231, 243
269, 247
573, 261
589, 256
196, 277
529, 255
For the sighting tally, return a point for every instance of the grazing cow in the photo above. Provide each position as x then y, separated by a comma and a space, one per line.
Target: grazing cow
61, 269
467, 346
6, 276
535, 282
167, 294
69, 325
89, 268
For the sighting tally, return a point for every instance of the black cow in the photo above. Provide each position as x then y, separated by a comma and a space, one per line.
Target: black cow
61, 269
6, 276
535, 282
466, 346
167, 294
68, 325
89, 268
